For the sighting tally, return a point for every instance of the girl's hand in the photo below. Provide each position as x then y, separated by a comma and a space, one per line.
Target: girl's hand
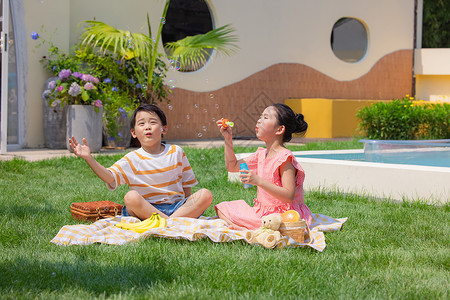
226, 132
248, 177
79, 150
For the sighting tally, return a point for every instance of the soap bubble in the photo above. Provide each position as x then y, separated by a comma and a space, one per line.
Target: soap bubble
214, 120
205, 110
211, 96
163, 20
202, 156
204, 128
196, 105
170, 107
174, 64
172, 83
199, 134
188, 117
217, 106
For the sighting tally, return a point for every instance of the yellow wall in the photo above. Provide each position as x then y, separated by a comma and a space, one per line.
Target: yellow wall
433, 87
329, 118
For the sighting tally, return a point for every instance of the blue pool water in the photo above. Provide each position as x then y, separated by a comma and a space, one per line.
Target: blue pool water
435, 159
434, 153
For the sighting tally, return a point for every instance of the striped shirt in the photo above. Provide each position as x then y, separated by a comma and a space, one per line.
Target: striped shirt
158, 178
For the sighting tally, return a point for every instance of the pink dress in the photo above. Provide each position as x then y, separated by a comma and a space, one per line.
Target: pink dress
240, 213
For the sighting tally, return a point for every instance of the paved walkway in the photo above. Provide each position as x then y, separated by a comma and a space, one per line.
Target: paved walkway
44, 153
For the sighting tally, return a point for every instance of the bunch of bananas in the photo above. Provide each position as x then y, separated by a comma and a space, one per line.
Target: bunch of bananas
153, 222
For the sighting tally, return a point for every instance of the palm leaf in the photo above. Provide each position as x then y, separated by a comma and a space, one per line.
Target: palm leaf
192, 50
121, 42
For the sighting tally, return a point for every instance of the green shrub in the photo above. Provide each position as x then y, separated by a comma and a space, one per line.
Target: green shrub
405, 119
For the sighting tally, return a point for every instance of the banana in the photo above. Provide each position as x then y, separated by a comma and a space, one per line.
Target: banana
163, 222
129, 226
153, 222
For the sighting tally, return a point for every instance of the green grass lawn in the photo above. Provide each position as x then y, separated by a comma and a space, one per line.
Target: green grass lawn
385, 250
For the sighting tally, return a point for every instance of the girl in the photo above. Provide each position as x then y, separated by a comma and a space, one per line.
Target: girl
274, 170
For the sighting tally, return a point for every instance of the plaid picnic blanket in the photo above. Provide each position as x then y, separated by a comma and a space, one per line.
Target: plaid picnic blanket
104, 231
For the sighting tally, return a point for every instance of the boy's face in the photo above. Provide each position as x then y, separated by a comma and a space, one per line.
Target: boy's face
148, 129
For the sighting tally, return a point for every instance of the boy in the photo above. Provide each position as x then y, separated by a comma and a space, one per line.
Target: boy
159, 175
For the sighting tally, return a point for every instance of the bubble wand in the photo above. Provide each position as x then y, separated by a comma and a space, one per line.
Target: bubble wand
226, 123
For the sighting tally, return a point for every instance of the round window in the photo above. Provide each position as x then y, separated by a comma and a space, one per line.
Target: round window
349, 40
187, 18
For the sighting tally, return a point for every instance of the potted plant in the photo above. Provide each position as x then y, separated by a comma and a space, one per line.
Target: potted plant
84, 113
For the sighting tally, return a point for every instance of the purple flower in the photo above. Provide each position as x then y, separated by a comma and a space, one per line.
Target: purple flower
34, 35
52, 84
64, 74
53, 68
60, 88
98, 103
74, 89
77, 74
89, 86
107, 80
131, 81
88, 77
115, 89
122, 110
138, 86
46, 94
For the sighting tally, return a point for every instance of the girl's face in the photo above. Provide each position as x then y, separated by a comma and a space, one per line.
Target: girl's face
148, 129
267, 126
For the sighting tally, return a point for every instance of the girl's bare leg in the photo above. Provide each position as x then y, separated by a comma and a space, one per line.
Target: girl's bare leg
232, 225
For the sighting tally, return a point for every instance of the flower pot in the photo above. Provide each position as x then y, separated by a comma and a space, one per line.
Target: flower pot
83, 121
123, 137
55, 125
54, 121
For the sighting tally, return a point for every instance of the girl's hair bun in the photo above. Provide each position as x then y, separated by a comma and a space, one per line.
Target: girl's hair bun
302, 126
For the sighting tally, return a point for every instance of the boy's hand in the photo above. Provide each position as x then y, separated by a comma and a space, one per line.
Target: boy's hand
80, 150
226, 132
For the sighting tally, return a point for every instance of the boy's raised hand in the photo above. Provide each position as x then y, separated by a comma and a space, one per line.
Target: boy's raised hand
80, 150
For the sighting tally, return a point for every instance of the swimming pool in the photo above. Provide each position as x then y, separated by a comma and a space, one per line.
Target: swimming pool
423, 153
435, 157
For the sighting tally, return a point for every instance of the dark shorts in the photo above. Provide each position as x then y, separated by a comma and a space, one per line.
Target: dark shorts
167, 209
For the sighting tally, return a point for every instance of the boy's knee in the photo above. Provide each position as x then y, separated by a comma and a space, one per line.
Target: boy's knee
131, 197
206, 196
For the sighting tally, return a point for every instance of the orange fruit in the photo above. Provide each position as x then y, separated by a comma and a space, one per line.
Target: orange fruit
290, 216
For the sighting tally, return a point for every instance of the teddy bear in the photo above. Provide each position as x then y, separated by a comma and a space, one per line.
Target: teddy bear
268, 235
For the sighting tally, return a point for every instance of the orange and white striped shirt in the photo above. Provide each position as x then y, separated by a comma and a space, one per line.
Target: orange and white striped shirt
158, 178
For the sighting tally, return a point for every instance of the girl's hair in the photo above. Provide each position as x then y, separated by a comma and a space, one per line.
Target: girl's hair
292, 122
149, 108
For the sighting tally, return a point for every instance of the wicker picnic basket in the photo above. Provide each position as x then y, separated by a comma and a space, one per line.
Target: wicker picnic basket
296, 230
95, 210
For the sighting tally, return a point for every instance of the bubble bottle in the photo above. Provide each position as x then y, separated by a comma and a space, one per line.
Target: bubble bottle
244, 166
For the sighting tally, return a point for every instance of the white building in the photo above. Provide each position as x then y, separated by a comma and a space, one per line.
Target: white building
351, 49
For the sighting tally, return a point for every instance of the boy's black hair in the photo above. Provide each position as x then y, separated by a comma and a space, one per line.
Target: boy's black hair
292, 122
149, 108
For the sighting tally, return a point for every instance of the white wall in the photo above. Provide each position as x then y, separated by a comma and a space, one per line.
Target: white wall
51, 16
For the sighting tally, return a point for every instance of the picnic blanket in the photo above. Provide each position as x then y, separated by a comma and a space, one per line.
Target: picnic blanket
104, 231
